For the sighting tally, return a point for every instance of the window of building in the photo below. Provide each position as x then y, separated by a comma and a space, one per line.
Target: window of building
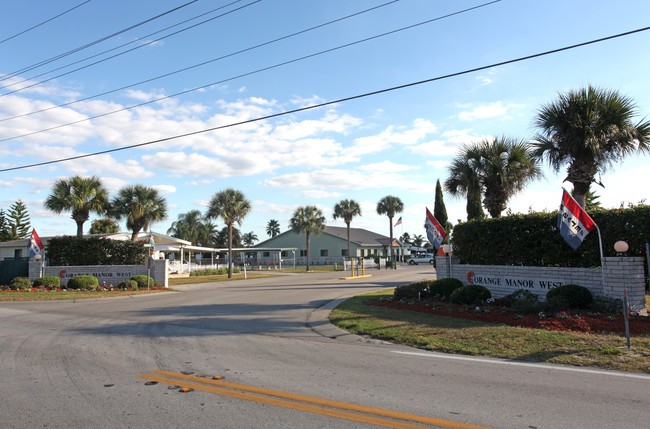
18, 253
303, 253
323, 252
344, 252
266, 254
284, 253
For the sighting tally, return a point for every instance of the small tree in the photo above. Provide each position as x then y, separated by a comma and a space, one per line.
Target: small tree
307, 220
4, 227
104, 226
390, 205
273, 228
440, 211
346, 210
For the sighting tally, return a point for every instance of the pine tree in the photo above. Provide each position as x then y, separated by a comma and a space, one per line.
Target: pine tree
18, 223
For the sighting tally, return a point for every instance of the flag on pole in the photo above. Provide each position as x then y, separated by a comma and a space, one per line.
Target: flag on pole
151, 243
435, 233
399, 221
35, 244
573, 222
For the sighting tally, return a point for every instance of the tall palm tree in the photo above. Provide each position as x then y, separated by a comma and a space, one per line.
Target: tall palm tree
418, 240
346, 210
506, 167
249, 239
588, 129
307, 220
141, 206
188, 226
80, 195
390, 205
464, 181
232, 206
405, 238
273, 228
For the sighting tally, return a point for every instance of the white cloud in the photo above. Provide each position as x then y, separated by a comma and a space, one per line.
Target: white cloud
387, 166
489, 110
165, 189
315, 193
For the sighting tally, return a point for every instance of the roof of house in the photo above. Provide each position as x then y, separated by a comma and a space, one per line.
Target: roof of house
360, 236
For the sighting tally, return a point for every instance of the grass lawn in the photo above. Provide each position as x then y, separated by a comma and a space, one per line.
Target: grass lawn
468, 337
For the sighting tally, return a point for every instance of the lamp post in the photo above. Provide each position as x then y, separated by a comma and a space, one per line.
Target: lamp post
39, 259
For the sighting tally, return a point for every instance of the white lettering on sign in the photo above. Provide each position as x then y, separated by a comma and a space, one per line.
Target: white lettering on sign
513, 282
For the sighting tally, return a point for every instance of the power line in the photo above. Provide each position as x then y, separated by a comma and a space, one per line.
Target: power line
328, 103
44, 22
87, 45
124, 44
200, 64
277, 65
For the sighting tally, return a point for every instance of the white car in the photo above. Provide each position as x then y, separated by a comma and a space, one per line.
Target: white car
421, 259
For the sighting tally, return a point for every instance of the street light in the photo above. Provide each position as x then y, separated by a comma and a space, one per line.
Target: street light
621, 247
39, 258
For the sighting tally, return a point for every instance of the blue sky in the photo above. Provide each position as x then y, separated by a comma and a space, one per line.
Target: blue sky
396, 143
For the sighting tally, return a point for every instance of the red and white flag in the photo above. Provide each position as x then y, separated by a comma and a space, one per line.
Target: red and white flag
435, 233
399, 221
573, 222
35, 245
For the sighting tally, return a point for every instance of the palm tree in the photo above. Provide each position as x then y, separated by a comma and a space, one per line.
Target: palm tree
418, 240
307, 220
405, 238
249, 239
208, 234
141, 206
188, 226
464, 181
506, 167
346, 210
232, 206
81, 195
390, 205
273, 228
589, 129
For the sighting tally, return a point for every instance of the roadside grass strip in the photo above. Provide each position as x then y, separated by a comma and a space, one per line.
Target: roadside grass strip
341, 410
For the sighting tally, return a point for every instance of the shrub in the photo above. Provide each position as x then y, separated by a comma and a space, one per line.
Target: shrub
470, 294
128, 285
522, 301
141, 280
443, 288
209, 272
603, 304
82, 282
48, 281
412, 291
94, 251
20, 283
569, 296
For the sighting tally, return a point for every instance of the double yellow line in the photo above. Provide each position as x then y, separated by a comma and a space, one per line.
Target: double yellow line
341, 410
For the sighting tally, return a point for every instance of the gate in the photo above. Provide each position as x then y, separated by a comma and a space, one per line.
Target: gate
10, 268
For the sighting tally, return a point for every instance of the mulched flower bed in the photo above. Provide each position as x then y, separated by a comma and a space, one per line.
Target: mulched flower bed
561, 321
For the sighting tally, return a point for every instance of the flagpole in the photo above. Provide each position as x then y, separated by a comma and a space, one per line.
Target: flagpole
600, 242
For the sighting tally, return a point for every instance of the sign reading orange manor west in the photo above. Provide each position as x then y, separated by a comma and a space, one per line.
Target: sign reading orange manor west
513, 282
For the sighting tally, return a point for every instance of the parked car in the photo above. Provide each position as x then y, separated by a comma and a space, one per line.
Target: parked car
421, 259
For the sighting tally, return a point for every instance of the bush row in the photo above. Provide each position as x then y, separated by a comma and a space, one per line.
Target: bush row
569, 296
80, 282
212, 272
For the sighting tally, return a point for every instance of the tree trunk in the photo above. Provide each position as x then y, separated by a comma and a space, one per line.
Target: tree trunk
580, 191
230, 250
349, 254
307, 234
80, 229
390, 245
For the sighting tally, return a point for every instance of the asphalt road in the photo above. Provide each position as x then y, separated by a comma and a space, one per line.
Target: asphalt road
120, 363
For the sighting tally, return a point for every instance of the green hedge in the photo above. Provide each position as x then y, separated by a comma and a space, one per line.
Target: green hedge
68, 251
535, 240
142, 280
49, 281
82, 282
